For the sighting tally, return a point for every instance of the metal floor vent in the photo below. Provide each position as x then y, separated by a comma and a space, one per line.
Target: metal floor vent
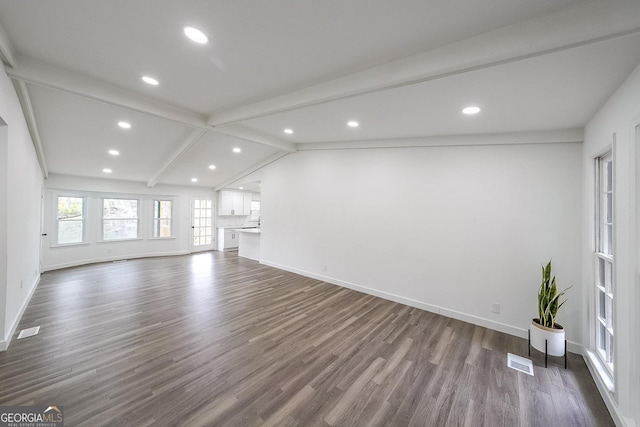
520, 364
26, 333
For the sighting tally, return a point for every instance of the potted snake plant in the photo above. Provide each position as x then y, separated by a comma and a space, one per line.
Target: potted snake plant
544, 327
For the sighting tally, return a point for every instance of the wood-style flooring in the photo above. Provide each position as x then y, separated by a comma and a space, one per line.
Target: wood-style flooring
212, 339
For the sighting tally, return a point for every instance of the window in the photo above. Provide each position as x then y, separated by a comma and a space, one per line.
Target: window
162, 218
604, 278
255, 211
119, 219
70, 220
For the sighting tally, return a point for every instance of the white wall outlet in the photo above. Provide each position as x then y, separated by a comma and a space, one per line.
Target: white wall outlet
21, 283
495, 307
324, 268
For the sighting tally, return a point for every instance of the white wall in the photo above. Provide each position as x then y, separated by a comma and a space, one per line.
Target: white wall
95, 251
617, 119
20, 202
449, 229
4, 143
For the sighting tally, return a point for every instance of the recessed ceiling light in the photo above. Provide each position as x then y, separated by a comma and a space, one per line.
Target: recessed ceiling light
124, 125
241, 188
114, 152
150, 80
237, 150
196, 35
353, 124
471, 110
212, 167
194, 179
107, 170
288, 131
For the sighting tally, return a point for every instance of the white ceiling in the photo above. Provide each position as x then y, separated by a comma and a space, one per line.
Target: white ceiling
402, 68
559, 90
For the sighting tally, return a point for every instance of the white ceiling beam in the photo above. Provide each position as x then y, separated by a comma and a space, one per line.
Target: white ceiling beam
30, 118
557, 136
6, 50
256, 136
571, 27
182, 150
250, 171
38, 73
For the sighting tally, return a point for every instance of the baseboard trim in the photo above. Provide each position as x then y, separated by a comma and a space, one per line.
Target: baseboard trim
110, 259
4, 345
572, 347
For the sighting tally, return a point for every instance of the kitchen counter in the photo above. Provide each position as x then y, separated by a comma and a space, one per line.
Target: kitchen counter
249, 245
249, 230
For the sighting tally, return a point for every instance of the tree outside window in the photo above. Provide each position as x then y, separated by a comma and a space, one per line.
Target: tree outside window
119, 219
162, 222
70, 220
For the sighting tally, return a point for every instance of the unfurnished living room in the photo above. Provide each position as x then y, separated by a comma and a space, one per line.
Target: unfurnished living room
320, 213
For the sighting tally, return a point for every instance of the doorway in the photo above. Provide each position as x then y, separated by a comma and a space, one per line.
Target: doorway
202, 236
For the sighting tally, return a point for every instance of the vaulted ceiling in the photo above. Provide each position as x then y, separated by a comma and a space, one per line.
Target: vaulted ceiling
401, 68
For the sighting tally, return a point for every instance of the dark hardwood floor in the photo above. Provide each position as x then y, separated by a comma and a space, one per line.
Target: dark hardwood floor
215, 340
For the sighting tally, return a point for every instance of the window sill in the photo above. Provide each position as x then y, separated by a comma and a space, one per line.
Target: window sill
602, 371
68, 245
162, 238
119, 240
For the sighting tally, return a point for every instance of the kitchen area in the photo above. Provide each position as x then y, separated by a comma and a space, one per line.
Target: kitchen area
238, 220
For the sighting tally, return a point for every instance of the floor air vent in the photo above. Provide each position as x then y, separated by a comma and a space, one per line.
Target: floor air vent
26, 333
520, 364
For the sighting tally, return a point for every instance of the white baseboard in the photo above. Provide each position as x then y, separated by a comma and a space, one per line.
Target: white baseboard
4, 345
77, 263
469, 318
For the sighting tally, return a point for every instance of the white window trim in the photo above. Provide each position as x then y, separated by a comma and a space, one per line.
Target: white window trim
153, 219
53, 243
101, 238
604, 369
601, 370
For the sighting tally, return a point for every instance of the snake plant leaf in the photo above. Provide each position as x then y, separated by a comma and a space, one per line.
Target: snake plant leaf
549, 298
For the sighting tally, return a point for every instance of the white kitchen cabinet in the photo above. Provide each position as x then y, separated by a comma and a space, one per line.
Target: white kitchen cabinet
234, 203
228, 239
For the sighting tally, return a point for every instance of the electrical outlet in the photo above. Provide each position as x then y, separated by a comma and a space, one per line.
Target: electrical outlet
495, 307
21, 283
324, 268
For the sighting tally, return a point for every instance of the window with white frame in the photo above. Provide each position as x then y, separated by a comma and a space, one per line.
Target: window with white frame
604, 258
119, 219
70, 220
162, 222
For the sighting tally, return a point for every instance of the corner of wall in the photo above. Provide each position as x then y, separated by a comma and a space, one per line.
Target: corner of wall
4, 345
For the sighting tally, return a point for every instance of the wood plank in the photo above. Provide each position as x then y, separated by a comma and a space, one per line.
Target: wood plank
213, 339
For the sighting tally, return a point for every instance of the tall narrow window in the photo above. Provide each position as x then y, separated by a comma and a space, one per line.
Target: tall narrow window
202, 223
604, 258
162, 218
119, 219
70, 220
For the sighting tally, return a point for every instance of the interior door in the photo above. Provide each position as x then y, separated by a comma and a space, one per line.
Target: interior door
202, 230
43, 233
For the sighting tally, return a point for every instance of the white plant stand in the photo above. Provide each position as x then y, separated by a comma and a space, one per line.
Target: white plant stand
546, 353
